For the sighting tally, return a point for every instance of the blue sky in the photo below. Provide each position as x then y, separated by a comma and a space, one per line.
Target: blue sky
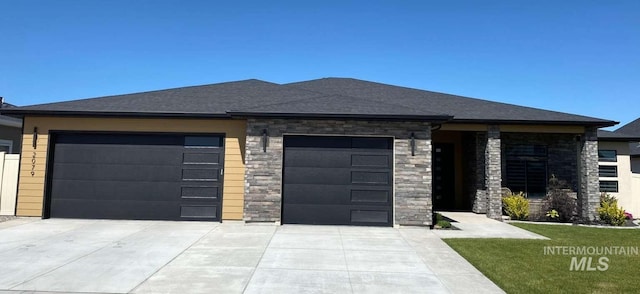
573, 56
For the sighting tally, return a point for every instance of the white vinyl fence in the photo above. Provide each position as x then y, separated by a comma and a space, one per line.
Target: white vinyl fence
9, 164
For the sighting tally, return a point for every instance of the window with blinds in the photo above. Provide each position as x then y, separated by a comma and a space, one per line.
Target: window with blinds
526, 169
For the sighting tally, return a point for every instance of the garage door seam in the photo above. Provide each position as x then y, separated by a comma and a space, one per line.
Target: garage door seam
253, 271
344, 255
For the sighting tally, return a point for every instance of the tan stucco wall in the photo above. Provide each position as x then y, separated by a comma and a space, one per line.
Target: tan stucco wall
628, 196
31, 187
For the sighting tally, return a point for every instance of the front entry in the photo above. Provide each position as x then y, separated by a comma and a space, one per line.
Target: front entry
443, 176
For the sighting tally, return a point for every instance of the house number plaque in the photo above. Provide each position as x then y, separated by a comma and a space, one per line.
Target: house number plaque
33, 164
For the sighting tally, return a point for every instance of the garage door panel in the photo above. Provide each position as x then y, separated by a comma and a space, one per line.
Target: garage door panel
371, 160
200, 174
92, 190
136, 176
370, 216
111, 154
368, 195
370, 177
112, 209
337, 180
335, 215
337, 194
358, 143
116, 172
314, 157
201, 158
316, 214
200, 192
310, 175
317, 194
199, 211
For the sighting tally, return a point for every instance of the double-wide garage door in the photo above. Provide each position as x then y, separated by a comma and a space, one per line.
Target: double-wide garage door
337, 180
136, 176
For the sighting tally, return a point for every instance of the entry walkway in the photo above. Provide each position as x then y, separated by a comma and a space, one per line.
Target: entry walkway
472, 225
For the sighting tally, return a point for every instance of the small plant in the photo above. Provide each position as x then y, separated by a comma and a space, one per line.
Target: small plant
628, 215
444, 224
516, 206
609, 211
553, 214
558, 199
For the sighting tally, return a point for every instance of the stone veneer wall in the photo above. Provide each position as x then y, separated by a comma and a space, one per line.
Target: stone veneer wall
493, 173
589, 194
412, 174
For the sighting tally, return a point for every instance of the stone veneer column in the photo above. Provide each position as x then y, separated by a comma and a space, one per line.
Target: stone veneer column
263, 171
480, 197
493, 173
413, 179
589, 196
412, 174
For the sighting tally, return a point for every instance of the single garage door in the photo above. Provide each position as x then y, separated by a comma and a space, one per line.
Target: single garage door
136, 176
337, 180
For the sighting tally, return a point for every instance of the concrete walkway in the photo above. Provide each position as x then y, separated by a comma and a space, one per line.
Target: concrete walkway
473, 225
80, 256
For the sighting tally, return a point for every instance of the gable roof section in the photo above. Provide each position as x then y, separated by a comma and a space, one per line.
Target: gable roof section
322, 98
207, 100
632, 128
463, 109
338, 106
604, 135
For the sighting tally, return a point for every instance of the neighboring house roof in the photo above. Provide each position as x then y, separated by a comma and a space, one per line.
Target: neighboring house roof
7, 120
322, 98
632, 140
604, 135
632, 128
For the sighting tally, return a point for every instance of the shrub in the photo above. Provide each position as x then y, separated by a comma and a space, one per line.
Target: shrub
444, 224
609, 211
558, 199
516, 206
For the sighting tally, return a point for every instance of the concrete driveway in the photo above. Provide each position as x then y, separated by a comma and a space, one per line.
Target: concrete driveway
102, 256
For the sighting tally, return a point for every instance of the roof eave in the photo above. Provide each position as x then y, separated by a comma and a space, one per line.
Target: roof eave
599, 124
20, 113
619, 139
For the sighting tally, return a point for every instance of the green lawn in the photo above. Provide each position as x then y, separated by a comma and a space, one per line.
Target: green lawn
520, 266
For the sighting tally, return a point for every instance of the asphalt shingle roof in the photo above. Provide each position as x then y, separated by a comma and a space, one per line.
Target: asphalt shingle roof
322, 98
632, 128
605, 135
461, 108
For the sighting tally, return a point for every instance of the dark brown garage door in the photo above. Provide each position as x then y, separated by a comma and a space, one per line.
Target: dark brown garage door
136, 176
337, 180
